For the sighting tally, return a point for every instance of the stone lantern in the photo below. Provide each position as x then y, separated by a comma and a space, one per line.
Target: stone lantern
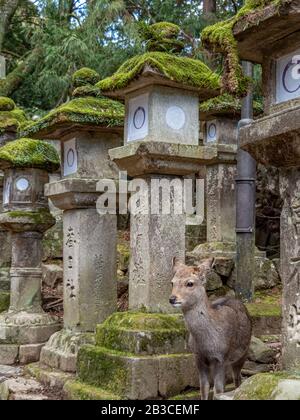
161, 145
11, 121
87, 127
25, 328
272, 39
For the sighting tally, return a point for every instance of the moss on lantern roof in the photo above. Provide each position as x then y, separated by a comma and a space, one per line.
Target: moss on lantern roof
220, 38
162, 36
185, 71
11, 117
28, 153
87, 111
6, 104
87, 90
227, 104
85, 76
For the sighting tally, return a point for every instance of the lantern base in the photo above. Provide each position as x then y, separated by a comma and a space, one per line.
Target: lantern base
61, 351
22, 329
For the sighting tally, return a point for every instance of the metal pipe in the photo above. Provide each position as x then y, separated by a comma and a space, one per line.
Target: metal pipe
245, 202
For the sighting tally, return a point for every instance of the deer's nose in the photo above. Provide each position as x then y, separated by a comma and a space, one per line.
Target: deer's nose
173, 300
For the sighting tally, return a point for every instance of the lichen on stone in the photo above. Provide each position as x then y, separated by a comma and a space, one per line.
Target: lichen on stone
227, 104
220, 38
40, 216
28, 153
86, 111
85, 76
182, 70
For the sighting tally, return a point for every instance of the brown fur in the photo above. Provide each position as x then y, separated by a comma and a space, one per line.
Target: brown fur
220, 332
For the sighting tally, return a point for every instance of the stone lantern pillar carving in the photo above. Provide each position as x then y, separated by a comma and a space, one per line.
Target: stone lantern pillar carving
25, 328
161, 146
274, 140
87, 127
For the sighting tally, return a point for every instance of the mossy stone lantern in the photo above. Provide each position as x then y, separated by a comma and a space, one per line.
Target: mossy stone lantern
25, 327
161, 92
269, 35
87, 126
12, 120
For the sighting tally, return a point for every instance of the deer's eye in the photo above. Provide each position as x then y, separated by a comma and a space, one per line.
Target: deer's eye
190, 284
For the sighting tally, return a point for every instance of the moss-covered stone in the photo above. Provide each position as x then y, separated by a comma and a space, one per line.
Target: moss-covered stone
162, 36
4, 301
79, 391
28, 153
225, 105
107, 369
14, 120
186, 71
143, 333
268, 386
88, 111
6, 104
220, 38
88, 90
265, 305
85, 76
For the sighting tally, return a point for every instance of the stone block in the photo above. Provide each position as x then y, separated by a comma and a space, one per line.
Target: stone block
79, 391
9, 354
61, 351
30, 353
143, 333
260, 352
52, 275
49, 377
213, 281
136, 377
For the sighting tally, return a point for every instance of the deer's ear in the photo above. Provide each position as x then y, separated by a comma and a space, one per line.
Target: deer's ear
176, 264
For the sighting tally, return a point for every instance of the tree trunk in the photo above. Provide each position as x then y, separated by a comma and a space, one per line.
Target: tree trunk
16, 77
209, 7
7, 11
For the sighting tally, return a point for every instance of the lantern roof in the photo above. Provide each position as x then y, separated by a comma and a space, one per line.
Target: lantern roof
225, 105
164, 69
29, 153
250, 35
12, 118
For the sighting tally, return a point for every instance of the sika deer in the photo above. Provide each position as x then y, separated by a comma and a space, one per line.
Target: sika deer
220, 332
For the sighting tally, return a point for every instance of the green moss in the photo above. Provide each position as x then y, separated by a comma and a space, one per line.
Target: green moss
162, 36
41, 216
87, 90
85, 76
262, 387
12, 120
98, 367
142, 333
265, 305
220, 38
182, 70
78, 391
28, 153
4, 301
227, 104
6, 104
86, 111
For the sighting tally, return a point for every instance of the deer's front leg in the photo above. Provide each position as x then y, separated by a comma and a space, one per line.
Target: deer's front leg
204, 375
218, 372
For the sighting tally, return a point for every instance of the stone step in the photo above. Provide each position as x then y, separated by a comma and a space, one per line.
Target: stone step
29, 397
48, 376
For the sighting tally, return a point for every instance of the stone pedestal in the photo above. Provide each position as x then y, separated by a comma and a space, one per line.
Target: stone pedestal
25, 324
90, 287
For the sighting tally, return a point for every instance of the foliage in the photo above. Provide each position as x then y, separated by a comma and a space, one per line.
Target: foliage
227, 104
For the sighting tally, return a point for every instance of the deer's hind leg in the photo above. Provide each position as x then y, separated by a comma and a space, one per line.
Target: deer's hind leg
236, 371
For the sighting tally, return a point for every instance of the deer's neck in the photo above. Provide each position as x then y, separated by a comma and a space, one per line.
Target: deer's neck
200, 317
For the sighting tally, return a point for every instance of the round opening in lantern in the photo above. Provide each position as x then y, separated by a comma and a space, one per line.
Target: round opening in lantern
22, 184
